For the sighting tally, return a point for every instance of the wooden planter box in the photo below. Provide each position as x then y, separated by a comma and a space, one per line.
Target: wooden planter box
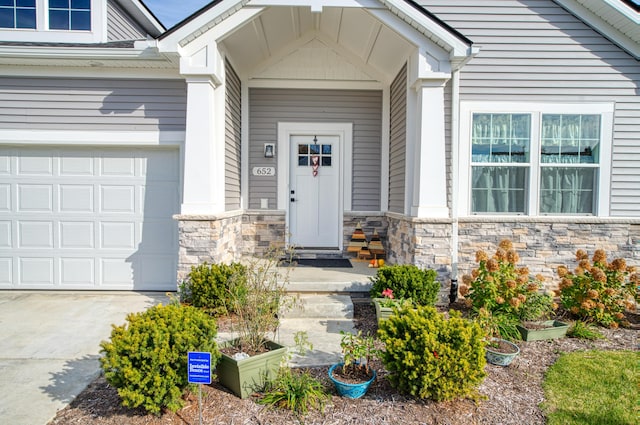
246, 376
553, 329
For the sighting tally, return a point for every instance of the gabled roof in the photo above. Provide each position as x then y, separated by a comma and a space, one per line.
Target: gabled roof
407, 10
145, 17
617, 20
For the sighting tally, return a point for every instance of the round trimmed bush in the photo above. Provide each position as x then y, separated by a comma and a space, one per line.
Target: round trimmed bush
209, 286
407, 281
430, 356
146, 358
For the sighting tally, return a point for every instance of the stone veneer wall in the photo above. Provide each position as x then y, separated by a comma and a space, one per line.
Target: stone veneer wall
423, 242
208, 238
546, 243
368, 221
262, 230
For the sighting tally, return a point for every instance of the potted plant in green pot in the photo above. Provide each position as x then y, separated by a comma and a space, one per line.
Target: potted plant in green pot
354, 375
396, 285
252, 357
535, 323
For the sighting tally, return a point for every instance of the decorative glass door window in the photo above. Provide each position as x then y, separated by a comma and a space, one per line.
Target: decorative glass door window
18, 14
500, 148
307, 151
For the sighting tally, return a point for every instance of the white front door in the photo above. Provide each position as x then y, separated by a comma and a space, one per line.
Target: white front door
314, 191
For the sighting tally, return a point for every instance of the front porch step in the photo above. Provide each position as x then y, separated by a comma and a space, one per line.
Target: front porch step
323, 334
322, 306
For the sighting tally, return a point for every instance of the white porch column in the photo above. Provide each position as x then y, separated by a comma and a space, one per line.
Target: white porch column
204, 162
429, 159
203, 191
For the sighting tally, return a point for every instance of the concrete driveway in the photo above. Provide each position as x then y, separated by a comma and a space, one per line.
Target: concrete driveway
50, 345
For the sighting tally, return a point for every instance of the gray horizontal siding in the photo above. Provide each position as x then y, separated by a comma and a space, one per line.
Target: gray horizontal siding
232, 139
267, 107
92, 104
534, 50
398, 142
120, 26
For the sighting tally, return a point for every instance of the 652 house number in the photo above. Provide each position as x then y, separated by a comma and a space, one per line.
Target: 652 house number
264, 171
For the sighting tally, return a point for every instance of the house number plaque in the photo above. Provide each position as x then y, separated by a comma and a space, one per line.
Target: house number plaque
264, 171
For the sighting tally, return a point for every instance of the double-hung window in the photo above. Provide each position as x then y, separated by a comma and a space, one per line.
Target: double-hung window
45, 15
18, 14
70, 15
541, 159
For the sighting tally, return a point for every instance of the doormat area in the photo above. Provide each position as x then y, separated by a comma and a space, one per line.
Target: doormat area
319, 262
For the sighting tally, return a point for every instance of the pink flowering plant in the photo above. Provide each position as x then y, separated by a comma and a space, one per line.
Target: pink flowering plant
387, 298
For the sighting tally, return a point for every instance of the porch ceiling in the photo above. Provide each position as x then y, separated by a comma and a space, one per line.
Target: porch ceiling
357, 33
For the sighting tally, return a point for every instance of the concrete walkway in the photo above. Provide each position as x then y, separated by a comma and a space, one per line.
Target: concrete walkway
50, 345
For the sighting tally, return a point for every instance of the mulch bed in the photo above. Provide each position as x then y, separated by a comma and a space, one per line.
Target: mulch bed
511, 394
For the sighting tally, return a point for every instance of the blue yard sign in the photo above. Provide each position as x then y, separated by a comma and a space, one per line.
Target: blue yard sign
199, 367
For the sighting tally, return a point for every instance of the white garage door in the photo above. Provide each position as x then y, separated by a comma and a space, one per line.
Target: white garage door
88, 218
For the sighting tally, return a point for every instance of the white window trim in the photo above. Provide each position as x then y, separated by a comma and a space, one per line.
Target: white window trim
41, 33
603, 186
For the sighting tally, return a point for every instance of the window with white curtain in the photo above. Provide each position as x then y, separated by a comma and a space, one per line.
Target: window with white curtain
536, 159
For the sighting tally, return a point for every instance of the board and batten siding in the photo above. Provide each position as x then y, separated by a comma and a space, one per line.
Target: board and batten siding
120, 26
398, 141
232, 139
363, 108
536, 51
92, 104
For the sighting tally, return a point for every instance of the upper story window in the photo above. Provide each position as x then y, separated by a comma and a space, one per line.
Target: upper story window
536, 159
70, 15
18, 14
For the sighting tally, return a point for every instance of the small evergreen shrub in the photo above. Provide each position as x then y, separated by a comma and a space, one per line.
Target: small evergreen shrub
209, 286
430, 356
599, 291
407, 281
146, 358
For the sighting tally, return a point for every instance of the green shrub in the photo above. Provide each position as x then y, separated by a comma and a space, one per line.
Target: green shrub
430, 356
208, 286
407, 281
146, 358
599, 291
583, 330
295, 391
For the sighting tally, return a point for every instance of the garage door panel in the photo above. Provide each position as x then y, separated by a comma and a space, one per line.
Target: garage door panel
117, 235
77, 271
76, 166
5, 234
77, 235
36, 271
5, 164
35, 165
116, 272
117, 199
118, 166
76, 198
156, 235
88, 218
5, 198
6, 272
159, 166
35, 198
158, 202
154, 269
35, 234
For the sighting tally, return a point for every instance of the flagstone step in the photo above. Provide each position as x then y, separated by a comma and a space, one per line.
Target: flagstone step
323, 334
323, 306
